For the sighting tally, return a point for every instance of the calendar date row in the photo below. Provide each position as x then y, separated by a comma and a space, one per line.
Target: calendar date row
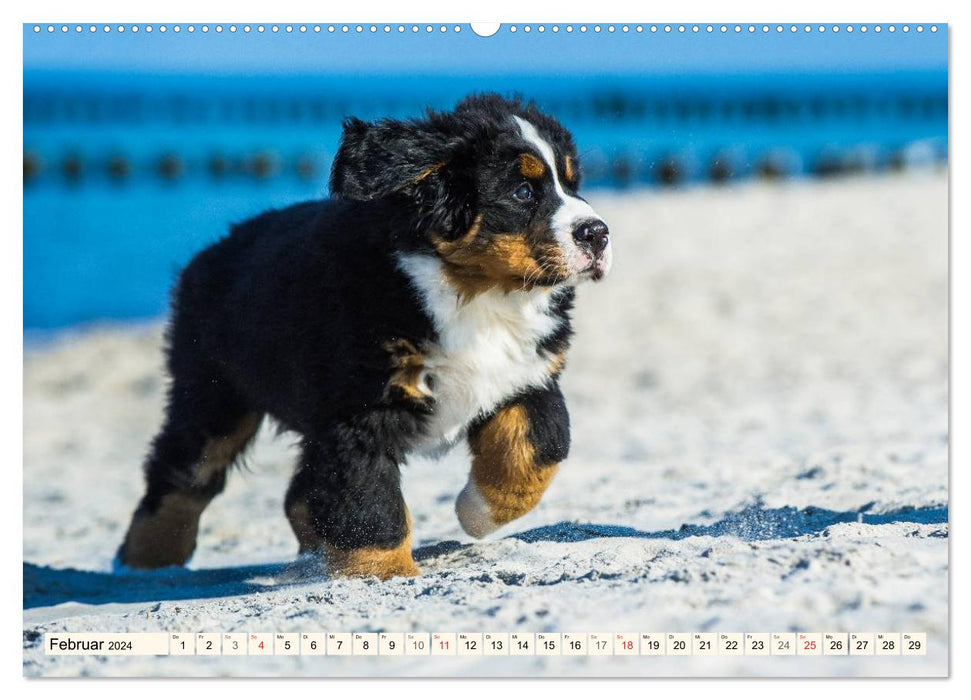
489, 644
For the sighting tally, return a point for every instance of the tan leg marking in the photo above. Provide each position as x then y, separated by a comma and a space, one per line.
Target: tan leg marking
167, 537
219, 452
375, 561
505, 482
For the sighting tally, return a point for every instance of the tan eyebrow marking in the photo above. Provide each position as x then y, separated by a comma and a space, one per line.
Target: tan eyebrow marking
569, 169
531, 166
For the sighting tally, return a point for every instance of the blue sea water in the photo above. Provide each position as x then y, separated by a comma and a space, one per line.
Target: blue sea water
127, 176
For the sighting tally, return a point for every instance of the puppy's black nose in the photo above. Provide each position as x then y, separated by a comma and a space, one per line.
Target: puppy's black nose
592, 235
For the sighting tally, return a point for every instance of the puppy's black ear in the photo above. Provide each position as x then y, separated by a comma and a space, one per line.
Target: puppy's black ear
377, 159
428, 162
358, 168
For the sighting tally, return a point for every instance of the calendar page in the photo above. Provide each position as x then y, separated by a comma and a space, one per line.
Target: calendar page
487, 350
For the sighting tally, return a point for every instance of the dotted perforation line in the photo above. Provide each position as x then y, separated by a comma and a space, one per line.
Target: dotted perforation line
512, 28
249, 28
718, 28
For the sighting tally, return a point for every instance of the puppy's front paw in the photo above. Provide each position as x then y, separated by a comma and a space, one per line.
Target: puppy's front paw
473, 511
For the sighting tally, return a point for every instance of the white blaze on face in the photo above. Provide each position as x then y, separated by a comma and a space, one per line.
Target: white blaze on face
572, 210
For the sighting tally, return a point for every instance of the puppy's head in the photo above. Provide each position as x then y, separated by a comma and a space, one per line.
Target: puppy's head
493, 189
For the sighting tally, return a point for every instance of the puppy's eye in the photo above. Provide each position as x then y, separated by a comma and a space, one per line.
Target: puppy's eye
524, 193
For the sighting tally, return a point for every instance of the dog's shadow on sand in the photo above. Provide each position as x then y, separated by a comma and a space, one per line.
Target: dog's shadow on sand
45, 586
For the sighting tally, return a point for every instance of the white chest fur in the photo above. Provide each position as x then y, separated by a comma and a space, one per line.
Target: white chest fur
486, 349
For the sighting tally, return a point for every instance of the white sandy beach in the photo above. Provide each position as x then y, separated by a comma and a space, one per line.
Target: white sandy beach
759, 401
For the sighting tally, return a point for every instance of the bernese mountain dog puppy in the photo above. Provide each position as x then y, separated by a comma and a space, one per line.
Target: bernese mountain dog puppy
426, 303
